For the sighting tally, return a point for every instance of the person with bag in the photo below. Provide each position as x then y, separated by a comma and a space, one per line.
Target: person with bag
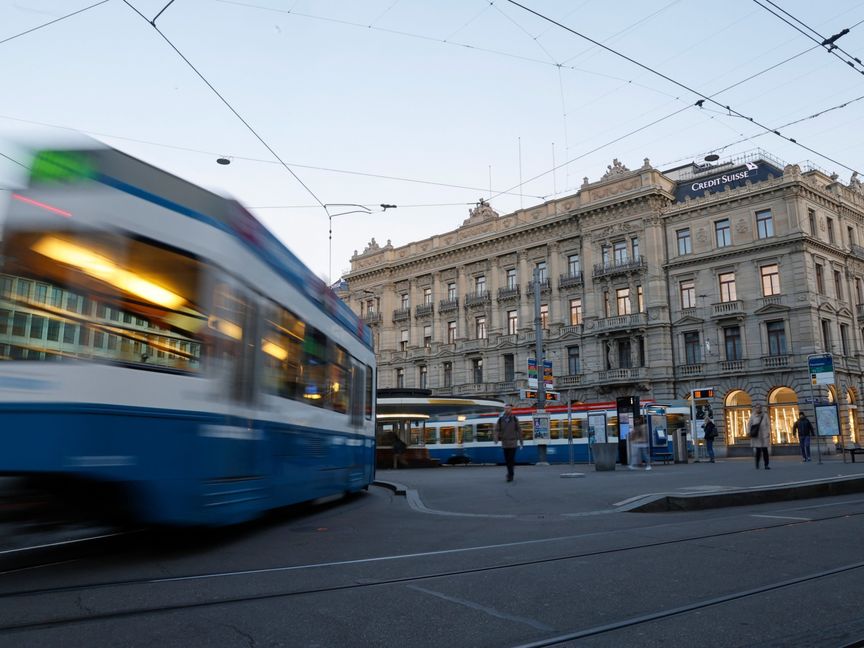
760, 434
803, 428
508, 432
710, 435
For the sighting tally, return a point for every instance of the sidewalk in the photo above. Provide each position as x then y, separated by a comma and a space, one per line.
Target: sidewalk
581, 490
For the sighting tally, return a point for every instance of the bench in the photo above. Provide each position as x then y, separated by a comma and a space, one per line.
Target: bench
853, 449
665, 457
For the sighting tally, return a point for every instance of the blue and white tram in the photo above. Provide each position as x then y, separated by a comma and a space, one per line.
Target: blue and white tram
162, 349
469, 440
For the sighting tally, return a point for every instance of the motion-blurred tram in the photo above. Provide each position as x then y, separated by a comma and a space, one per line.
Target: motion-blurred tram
162, 351
455, 440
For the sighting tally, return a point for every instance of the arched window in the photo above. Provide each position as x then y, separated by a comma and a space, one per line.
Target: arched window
737, 408
852, 398
783, 412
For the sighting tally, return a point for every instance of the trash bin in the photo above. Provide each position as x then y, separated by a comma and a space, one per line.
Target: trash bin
605, 455
679, 445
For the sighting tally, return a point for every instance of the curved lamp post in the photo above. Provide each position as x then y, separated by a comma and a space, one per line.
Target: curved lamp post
359, 209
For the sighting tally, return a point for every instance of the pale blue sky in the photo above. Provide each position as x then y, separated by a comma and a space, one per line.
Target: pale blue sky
436, 91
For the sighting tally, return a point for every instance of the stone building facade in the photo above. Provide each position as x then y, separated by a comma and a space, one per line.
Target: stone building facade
652, 283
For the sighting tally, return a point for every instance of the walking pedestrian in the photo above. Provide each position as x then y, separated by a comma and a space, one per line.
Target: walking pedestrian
760, 434
507, 431
803, 428
639, 444
710, 434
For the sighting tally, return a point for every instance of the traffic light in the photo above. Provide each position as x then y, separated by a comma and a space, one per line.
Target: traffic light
703, 393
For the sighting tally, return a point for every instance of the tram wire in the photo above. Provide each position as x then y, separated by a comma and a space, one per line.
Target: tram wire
133, 612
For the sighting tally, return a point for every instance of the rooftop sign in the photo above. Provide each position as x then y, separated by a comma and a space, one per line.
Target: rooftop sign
733, 177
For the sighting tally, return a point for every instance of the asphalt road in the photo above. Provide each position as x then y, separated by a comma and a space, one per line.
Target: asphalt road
381, 569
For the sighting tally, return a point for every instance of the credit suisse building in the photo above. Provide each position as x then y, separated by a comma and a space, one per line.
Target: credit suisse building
652, 283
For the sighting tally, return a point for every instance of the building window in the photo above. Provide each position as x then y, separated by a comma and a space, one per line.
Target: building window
732, 340
575, 312
427, 295
684, 246
370, 306
480, 327
844, 339
727, 287
625, 358
692, 350
829, 224
826, 336
448, 374
512, 281
573, 265
423, 376
619, 252
640, 300
850, 232
451, 332
509, 367
427, 336
820, 279
512, 322
770, 280
403, 300
764, 224
544, 316
622, 300
573, 365
451, 291
723, 233
480, 284
688, 293
477, 369
403, 340
776, 337
542, 274
811, 217
605, 251
859, 290
400, 377
606, 305
838, 284
634, 247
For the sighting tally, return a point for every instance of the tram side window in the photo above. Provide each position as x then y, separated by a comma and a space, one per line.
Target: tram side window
282, 344
339, 379
467, 432
370, 391
448, 434
430, 435
91, 276
527, 429
484, 431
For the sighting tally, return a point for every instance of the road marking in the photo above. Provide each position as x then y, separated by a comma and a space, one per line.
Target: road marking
782, 517
487, 610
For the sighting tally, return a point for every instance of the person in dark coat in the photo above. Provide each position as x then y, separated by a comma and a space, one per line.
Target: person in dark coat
710, 434
507, 431
761, 426
803, 428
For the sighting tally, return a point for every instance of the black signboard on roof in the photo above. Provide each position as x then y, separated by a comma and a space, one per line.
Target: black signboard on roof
737, 176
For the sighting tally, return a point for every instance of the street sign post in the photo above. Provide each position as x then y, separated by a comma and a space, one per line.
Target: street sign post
821, 366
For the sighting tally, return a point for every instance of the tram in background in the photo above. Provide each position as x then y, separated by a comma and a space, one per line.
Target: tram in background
457, 440
163, 352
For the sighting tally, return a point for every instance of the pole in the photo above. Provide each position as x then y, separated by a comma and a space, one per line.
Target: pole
570, 429
816, 421
538, 348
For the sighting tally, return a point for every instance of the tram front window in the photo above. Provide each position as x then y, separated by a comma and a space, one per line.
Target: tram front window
99, 296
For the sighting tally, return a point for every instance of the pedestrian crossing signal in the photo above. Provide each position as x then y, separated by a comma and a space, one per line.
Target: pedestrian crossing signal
703, 393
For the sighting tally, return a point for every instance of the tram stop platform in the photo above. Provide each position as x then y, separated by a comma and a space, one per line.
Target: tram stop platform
579, 489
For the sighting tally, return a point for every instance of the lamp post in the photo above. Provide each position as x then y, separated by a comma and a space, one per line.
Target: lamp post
360, 209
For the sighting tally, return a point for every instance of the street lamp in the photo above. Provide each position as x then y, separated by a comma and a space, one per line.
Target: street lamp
360, 209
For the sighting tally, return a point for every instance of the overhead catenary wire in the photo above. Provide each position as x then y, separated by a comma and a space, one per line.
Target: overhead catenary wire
666, 77
231, 108
52, 22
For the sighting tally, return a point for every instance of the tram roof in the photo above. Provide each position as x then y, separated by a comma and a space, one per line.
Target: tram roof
421, 408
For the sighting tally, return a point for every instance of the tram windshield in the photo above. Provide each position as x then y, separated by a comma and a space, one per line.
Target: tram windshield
101, 296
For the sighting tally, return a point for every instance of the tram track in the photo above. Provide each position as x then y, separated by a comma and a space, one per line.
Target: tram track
9, 598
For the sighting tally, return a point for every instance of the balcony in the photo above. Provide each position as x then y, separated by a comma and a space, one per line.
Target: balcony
416, 353
472, 345
857, 251
624, 375
448, 305
732, 365
372, 318
622, 266
479, 298
690, 370
401, 314
563, 382
475, 388
507, 294
423, 310
570, 280
860, 310
545, 286
634, 320
772, 300
728, 309
773, 362
573, 329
